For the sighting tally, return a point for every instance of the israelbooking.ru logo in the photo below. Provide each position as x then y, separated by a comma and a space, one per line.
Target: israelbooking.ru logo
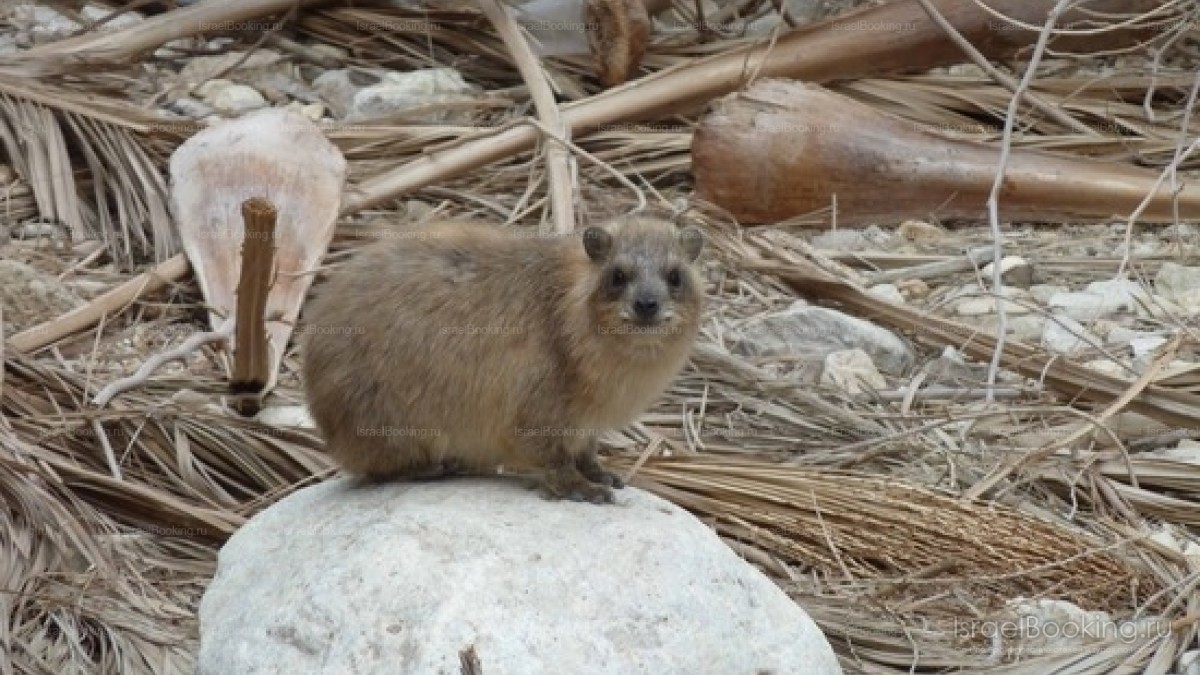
1086, 628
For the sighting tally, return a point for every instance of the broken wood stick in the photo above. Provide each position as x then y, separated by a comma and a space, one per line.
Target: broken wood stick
251, 354
783, 149
112, 302
896, 37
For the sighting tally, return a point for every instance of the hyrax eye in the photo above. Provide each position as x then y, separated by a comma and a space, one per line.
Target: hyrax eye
674, 278
619, 278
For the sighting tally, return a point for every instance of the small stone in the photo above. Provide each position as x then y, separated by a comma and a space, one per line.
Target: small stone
808, 333
1043, 292
1108, 367
913, 288
1017, 301
952, 367
852, 371
397, 92
1100, 298
1014, 270
9, 44
313, 111
189, 107
1187, 451
1184, 231
93, 13
1021, 327
286, 416
1180, 285
40, 24
1065, 335
919, 231
1120, 335
329, 51
1146, 345
231, 98
1189, 662
338, 87
202, 68
1141, 365
1140, 248
887, 292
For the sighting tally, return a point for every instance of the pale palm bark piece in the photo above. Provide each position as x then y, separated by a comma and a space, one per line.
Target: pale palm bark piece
276, 155
783, 149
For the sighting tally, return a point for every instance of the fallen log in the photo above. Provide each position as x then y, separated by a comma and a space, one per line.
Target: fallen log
784, 149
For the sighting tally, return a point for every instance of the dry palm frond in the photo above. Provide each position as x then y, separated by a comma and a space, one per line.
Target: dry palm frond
104, 574
87, 167
889, 551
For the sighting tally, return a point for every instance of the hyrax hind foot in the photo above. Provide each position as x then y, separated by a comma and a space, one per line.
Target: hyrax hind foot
568, 483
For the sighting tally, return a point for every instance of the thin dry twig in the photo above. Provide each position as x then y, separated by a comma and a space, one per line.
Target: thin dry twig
993, 201
194, 342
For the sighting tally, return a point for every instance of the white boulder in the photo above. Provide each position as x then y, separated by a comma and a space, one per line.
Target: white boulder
404, 577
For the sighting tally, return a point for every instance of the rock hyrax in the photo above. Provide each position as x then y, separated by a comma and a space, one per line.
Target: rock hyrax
463, 346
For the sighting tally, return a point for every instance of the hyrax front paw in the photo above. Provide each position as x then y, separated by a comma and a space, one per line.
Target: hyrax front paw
591, 470
571, 485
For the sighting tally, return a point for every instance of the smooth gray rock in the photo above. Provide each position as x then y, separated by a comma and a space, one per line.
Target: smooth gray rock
812, 333
1065, 335
1100, 299
401, 578
1180, 285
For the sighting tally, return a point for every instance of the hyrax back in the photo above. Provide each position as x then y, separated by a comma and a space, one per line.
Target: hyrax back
463, 345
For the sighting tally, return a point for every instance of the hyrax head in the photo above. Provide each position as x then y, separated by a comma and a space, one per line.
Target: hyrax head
645, 282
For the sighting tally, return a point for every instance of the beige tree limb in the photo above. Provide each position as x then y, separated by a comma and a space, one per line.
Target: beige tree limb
559, 168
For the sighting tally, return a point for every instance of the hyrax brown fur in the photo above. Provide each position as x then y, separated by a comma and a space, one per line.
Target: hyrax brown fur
461, 345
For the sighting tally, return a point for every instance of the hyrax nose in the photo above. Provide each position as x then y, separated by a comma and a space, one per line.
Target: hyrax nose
646, 307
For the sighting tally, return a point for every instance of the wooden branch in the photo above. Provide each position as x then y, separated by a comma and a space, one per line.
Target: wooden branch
110, 303
251, 353
560, 176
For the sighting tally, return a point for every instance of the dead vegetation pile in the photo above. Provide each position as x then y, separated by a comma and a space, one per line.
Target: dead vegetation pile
906, 518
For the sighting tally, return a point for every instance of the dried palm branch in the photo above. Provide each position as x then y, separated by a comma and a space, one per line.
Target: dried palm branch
888, 552
54, 138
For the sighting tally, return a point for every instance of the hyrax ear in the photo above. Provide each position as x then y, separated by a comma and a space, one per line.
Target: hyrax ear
598, 243
692, 240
